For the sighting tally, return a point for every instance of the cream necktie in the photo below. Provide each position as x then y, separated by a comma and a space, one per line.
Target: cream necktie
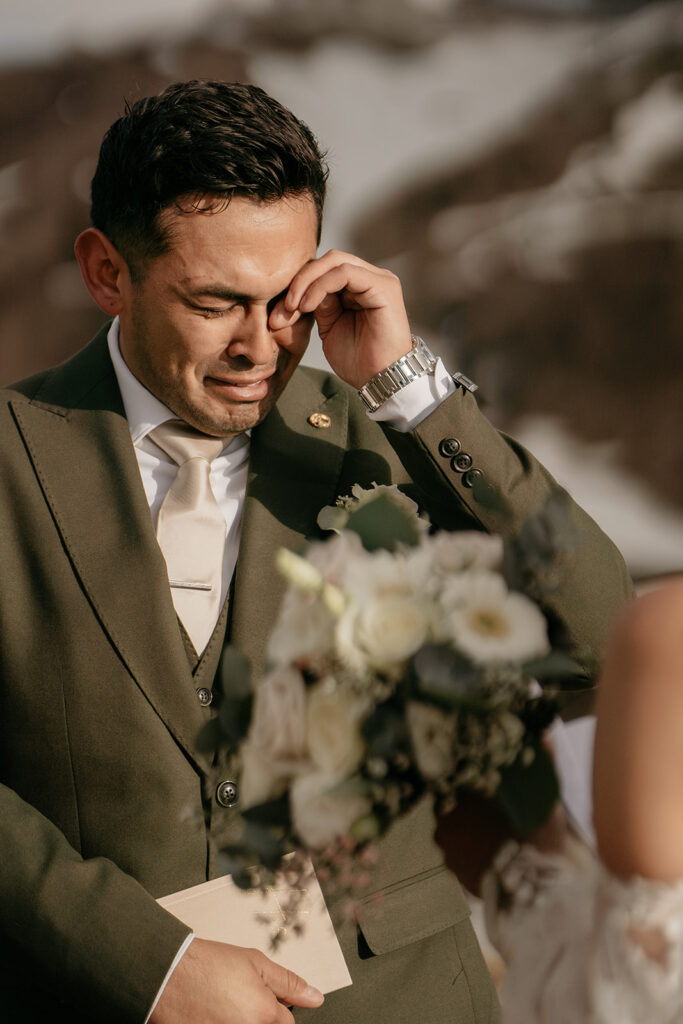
191, 529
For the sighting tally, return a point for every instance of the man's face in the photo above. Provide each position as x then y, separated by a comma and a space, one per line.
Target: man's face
194, 329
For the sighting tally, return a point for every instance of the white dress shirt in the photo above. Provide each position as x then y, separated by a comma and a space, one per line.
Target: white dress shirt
144, 412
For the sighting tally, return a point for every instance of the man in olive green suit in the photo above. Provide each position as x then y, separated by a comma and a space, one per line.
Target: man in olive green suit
206, 213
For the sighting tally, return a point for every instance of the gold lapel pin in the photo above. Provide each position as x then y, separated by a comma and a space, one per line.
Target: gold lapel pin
320, 419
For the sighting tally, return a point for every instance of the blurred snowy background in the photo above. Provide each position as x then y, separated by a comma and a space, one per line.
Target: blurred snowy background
519, 164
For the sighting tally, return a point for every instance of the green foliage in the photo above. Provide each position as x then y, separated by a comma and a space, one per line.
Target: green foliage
236, 699
528, 792
383, 524
443, 675
557, 667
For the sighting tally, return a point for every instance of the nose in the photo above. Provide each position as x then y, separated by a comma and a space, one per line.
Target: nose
254, 340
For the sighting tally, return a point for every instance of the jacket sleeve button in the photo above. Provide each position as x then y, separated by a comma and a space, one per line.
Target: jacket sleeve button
462, 462
471, 477
449, 447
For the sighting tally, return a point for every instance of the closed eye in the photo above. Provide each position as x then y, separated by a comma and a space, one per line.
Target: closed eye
213, 313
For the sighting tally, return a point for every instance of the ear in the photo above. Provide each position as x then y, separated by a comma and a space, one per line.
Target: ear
104, 270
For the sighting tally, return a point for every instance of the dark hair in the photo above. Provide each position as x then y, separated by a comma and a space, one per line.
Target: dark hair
204, 141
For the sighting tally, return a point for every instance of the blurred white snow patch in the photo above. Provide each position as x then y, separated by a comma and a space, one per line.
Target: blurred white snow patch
41, 29
647, 531
387, 119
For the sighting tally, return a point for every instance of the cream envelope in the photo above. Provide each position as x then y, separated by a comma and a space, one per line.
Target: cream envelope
221, 911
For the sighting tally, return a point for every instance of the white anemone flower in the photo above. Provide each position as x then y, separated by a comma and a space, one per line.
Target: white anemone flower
465, 551
489, 623
380, 574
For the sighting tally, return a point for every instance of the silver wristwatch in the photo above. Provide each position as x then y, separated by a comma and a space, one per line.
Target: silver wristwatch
418, 362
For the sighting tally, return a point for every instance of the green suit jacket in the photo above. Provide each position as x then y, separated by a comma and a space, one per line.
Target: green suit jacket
106, 802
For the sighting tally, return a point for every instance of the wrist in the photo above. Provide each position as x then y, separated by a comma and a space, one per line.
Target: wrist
393, 378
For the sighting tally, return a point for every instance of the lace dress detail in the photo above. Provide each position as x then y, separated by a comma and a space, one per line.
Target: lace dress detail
584, 947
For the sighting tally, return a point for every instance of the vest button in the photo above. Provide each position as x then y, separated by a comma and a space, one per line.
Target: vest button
227, 793
204, 696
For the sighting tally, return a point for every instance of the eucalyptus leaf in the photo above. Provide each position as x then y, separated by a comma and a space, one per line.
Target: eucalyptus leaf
489, 497
533, 558
242, 877
237, 861
355, 786
211, 737
556, 666
382, 524
268, 846
386, 732
271, 813
234, 716
235, 673
444, 675
528, 793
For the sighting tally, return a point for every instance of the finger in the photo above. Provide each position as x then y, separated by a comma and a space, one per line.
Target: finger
310, 272
280, 317
284, 1016
346, 286
288, 987
354, 288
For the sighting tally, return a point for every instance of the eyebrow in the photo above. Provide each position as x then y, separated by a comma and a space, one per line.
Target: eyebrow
217, 291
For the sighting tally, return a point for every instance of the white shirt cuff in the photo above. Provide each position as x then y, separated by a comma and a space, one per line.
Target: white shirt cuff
178, 957
408, 407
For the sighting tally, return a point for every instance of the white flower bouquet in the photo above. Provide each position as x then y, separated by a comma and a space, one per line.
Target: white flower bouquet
401, 664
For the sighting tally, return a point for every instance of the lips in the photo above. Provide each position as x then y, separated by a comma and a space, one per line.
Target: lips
240, 390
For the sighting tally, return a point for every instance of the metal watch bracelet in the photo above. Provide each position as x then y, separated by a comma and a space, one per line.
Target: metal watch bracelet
416, 363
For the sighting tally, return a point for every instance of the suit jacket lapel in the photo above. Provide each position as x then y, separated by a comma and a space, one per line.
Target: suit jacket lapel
78, 441
293, 471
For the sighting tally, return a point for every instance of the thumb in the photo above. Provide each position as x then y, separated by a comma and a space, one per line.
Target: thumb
280, 317
288, 987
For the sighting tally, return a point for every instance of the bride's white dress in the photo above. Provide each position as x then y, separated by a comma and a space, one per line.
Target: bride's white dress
582, 946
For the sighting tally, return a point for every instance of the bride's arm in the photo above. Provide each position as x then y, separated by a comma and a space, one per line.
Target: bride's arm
638, 770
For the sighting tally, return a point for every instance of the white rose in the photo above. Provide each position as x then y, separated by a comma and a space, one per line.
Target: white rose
384, 633
278, 721
304, 630
431, 733
335, 744
260, 778
320, 815
347, 649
